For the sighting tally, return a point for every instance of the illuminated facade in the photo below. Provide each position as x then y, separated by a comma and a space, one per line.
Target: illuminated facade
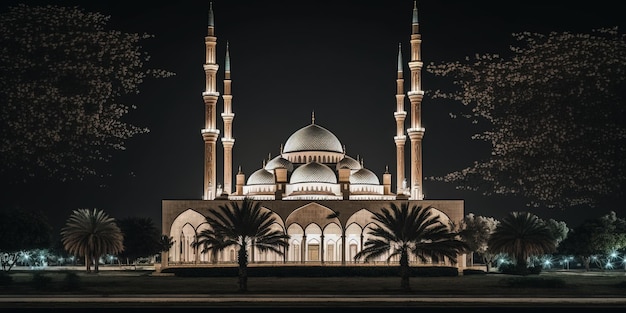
321, 197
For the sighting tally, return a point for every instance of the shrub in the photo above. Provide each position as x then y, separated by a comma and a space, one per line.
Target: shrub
469, 271
513, 269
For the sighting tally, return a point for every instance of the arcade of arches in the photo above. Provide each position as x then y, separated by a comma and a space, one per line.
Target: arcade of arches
315, 238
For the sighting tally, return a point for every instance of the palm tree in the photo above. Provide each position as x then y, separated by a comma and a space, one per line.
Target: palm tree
410, 229
165, 243
91, 233
522, 235
211, 241
242, 225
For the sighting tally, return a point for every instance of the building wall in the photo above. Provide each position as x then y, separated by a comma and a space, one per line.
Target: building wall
314, 238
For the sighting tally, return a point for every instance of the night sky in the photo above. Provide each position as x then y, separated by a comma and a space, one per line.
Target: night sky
292, 58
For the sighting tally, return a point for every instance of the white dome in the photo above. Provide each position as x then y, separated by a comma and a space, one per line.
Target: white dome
261, 177
313, 138
348, 162
279, 161
364, 177
313, 173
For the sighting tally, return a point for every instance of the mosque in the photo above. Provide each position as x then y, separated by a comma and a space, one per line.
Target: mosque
320, 196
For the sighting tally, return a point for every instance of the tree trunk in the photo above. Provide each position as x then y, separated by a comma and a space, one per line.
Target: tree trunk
586, 261
242, 259
404, 271
88, 263
521, 265
214, 256
487, 262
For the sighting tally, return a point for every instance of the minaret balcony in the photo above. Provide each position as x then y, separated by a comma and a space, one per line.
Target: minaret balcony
210, 134
399, 139
228, 142
415, 92
416, 133
416, 65
211, 93
228, 117
416, 130
211, 67
398, 115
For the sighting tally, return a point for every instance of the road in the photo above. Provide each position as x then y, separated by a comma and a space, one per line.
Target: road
278, 303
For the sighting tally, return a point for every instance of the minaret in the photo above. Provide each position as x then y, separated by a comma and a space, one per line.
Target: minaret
416, 131
399, 115
228, 141
210, 133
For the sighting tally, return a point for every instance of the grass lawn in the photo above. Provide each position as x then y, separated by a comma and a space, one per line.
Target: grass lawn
128, 282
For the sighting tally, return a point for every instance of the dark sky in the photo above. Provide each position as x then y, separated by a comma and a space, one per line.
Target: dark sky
288, 59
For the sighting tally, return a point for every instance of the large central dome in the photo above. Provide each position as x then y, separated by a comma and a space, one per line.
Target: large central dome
313, 138
313, 172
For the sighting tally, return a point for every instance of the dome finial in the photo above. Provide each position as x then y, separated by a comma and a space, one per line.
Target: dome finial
281, 148
312, 117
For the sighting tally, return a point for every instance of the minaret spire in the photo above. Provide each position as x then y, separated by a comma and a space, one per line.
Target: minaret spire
400, 116
400, 65
227, 60
416, 94
227, 116
211, 18
210, 133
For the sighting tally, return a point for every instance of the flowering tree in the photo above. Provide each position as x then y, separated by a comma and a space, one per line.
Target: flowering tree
554, 111
63, 78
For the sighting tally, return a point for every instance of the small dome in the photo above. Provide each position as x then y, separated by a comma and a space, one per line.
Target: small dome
313, 138
261, 177
364, 177
348, 162
279, 161
313, 173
